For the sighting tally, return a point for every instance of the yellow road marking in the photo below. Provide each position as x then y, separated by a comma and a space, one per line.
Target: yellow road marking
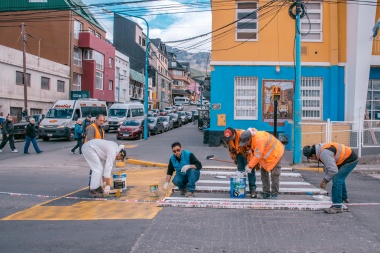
311, 169
138, 188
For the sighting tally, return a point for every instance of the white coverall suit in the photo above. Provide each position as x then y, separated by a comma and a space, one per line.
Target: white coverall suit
100, 156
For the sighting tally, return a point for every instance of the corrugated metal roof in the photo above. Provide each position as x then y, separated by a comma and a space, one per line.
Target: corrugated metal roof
138, 77
26, 5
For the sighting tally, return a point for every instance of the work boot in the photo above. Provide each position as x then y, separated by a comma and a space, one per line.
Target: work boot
100, 189
345, 209
183, 191
334, 210
265, 195
95, 194
274, 196
189, 194
253, 194
346, 200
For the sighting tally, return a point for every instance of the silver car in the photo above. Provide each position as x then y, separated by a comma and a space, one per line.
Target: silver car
168, 123
190, 116
182, 115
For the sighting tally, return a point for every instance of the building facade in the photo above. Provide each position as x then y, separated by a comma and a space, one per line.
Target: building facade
181, 78
122, 78
257, 54
47, 81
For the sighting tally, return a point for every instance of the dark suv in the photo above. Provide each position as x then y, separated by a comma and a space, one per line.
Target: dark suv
20, 128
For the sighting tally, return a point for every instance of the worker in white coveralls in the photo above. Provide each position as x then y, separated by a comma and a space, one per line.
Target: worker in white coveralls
100, 156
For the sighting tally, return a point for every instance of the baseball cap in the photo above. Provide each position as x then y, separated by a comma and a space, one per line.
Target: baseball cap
88, 116
228, 134
244, 137
307, 151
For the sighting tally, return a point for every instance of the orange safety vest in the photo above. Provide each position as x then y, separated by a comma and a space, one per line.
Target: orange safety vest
97, 132
342, 152
235, 143
267, 150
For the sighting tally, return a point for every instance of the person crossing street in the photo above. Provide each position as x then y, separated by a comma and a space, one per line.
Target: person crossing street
8, 134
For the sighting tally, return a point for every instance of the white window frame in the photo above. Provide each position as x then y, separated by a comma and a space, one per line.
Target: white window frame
110, 84
250, 30
78, 27
77, 86
307, 88
99, 59
305, 28
373, 99
246, 89
77, 56
99, 80
110, 62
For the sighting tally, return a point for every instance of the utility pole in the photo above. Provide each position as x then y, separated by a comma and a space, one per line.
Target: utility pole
118, 88
297, 154
23, 34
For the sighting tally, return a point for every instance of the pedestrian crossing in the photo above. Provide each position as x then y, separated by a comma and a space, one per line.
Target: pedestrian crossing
213, 191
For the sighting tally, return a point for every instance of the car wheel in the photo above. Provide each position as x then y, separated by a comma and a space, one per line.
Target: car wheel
45, 138
156, 131
71, 136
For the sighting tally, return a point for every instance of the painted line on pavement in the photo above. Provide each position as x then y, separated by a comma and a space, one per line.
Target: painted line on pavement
232, 173
310, 169
146, 163
204, 181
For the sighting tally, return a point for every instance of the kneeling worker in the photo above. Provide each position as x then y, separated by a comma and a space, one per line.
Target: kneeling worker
100, 156
187, 169
267, 151
239, 155
338, 160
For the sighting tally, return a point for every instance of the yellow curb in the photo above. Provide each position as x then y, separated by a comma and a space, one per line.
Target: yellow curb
310, 169
146, 163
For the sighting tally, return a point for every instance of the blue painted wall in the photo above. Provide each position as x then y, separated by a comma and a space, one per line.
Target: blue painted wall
222, 91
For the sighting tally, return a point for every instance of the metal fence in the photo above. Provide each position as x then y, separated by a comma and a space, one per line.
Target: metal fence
344, 132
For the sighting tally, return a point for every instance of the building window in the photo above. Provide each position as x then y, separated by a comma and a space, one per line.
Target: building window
140, 40
77, 56
246, 27
77, 82
311, 25
162, 83
143, 42
125, 75
45, 83
110, 84
88, 55
34, 111
245, 98
373, 99
311, 98
99, 58
177, 72
99, 80
91, 31
78, 27
110, 62
60, 86
19, 78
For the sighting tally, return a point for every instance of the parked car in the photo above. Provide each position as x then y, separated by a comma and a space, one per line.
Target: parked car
168, 122
20, 128
168, 109
163, 113
183, 117
131, 129
174, 109
193, 102
204, 102
180, 107
156, 111
195, 114
155, 125
190, 117
176, 119
152, 114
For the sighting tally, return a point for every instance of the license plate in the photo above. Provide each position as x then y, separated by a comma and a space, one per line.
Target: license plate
50, 135
126, 135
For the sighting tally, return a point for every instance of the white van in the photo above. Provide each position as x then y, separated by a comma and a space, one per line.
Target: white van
60, 120
181, 101
121, 111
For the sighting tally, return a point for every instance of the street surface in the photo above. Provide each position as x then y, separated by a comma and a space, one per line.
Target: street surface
30, 223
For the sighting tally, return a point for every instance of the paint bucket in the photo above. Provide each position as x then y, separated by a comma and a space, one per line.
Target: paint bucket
154, 190
237, 187
119, 180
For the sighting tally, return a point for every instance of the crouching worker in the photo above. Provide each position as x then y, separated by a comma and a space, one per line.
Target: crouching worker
267, 151
100, 156
239, 155
338, 160
187, 168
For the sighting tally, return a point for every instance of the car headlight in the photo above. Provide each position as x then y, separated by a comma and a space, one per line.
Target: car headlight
41, 125
118, 129
63, 125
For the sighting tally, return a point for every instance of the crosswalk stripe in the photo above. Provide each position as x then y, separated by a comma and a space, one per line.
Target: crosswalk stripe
231, 173
257, 182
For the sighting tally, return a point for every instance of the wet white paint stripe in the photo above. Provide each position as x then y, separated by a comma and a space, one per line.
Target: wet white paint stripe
222, 189
257, 183
233, 168
243, 201
231, 173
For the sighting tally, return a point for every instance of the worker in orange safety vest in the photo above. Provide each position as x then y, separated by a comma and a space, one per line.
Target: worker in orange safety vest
267, 151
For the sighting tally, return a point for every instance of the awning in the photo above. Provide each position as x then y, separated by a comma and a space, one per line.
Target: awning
138, 77
180, 92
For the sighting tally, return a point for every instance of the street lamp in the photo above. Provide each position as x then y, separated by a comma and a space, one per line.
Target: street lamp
146, 70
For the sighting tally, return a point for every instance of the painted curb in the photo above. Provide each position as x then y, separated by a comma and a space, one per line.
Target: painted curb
146, 163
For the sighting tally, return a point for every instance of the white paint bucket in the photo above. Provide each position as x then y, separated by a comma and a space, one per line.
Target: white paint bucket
119, 180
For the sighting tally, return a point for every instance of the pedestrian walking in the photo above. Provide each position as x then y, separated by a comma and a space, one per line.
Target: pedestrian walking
100, 156
338, 160
86, 123
30, 136
95, 130
266, 150
187, 168
239, 155
78, 135
8, 134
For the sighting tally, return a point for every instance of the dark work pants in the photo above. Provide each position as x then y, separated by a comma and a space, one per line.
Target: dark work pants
11, 140
241, 163
79, 145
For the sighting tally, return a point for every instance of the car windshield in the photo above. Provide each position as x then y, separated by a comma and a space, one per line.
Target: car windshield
164, 119
168, 108
181, 113
189, 113
150, 120
131, 123
60, 113
117, 113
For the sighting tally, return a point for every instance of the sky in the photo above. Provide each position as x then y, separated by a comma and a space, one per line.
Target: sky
169, 20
